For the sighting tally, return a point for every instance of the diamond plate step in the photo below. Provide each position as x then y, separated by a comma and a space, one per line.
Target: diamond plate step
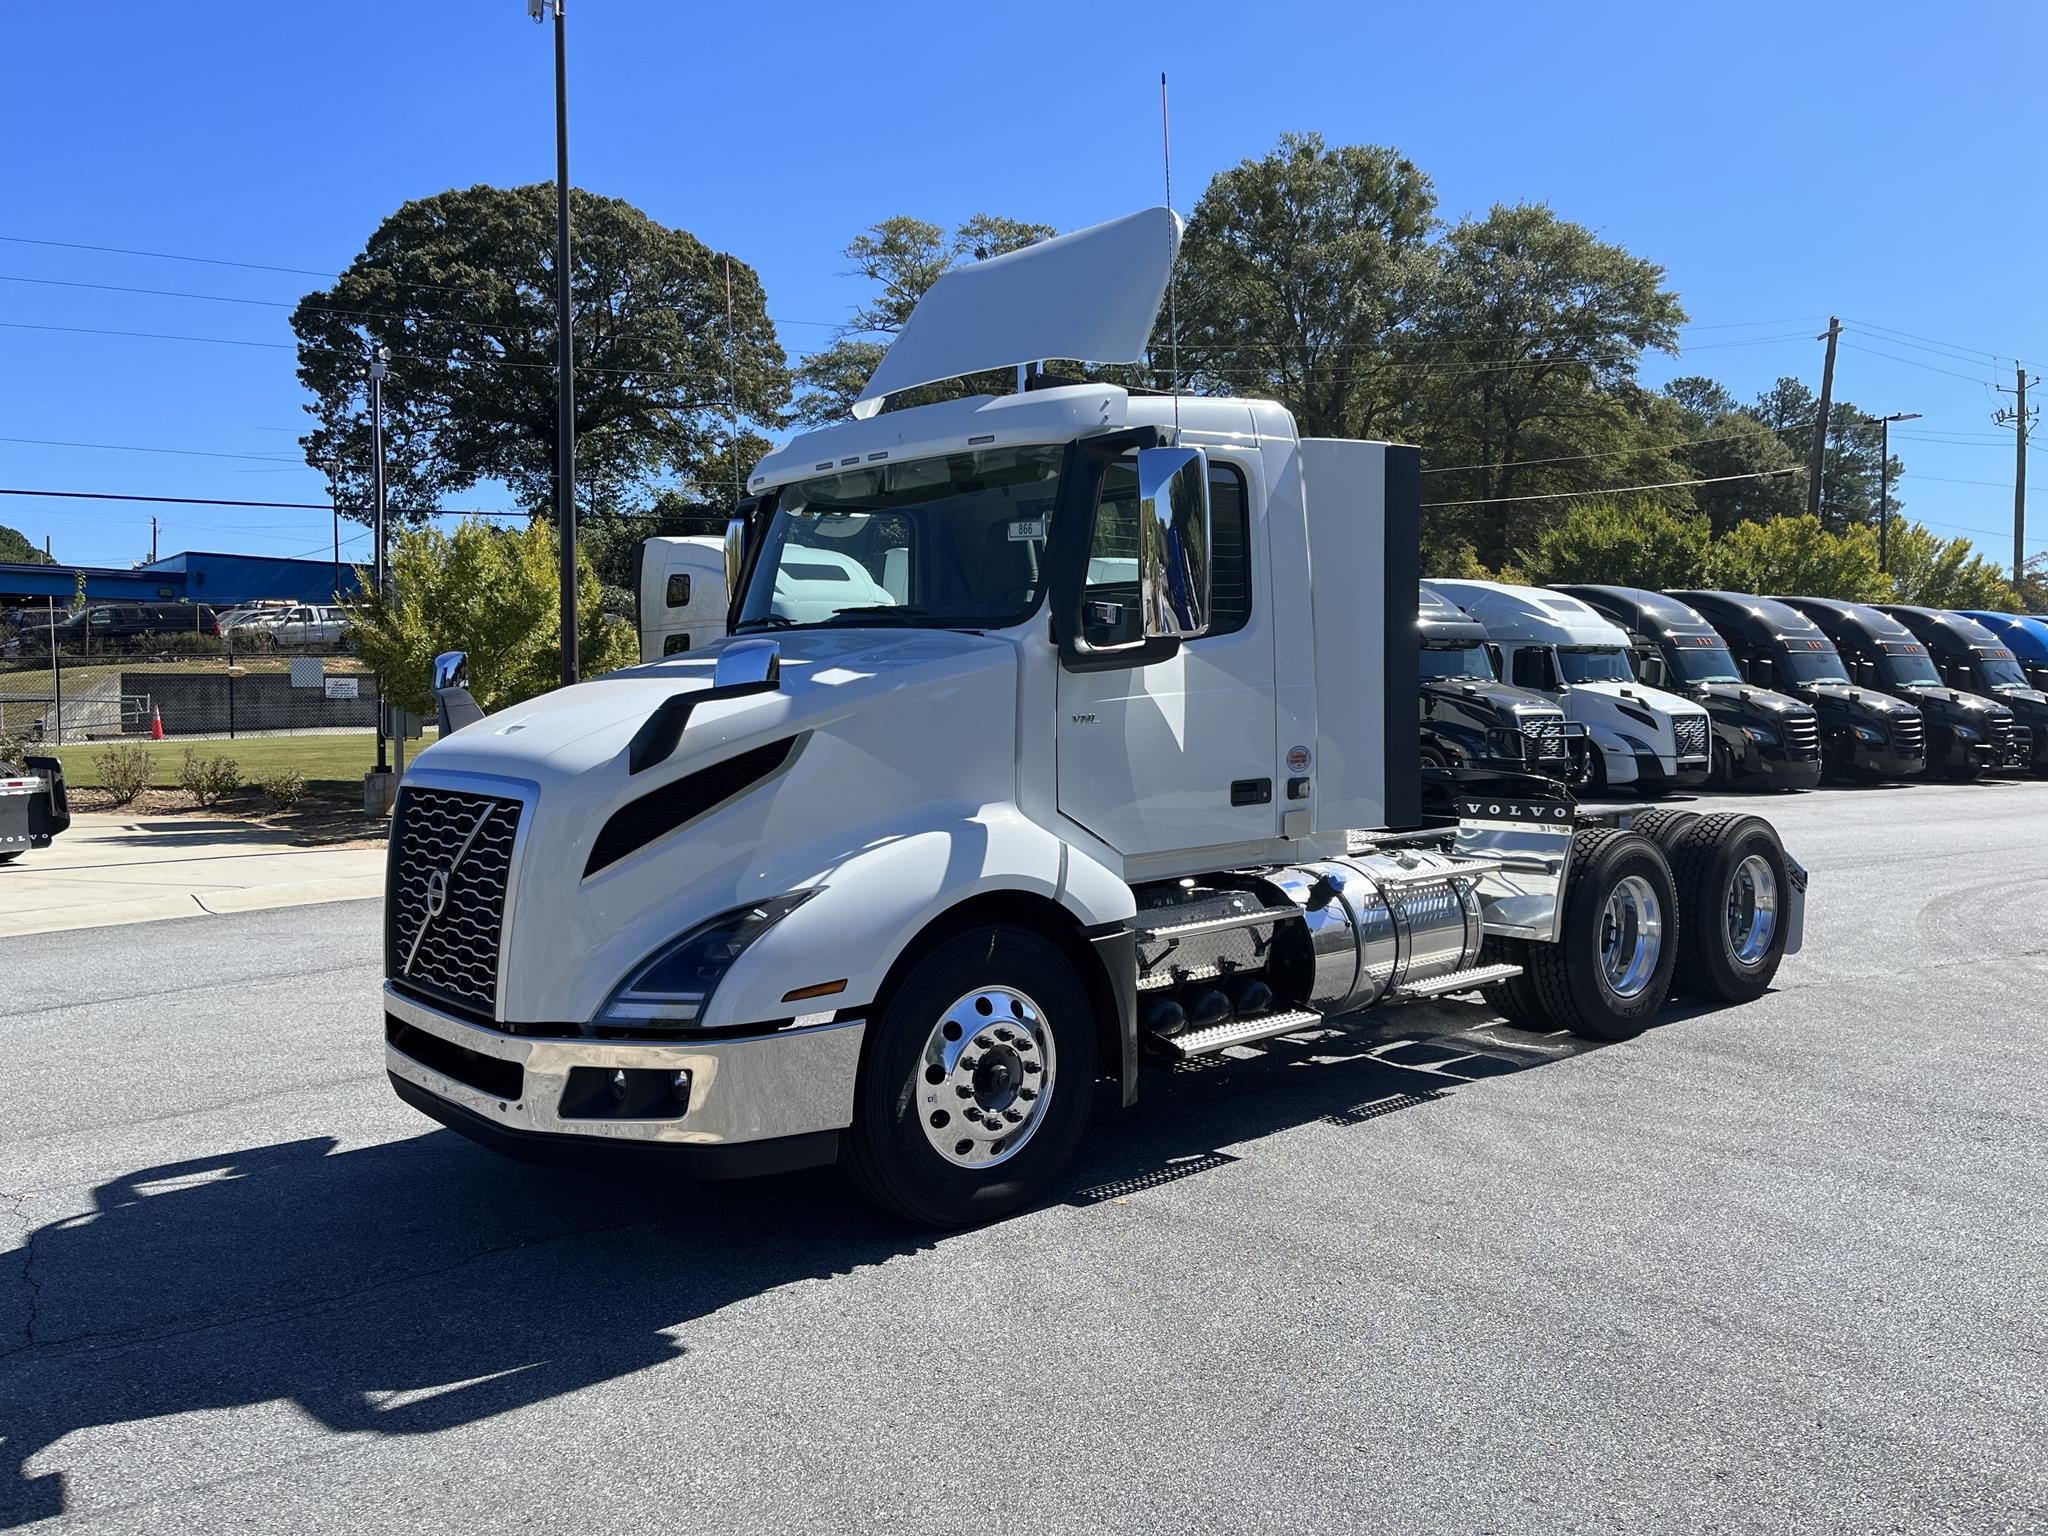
1459, 981
1217, 1037
1217, 924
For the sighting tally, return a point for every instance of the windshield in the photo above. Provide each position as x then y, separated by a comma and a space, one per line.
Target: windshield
1907, 663
1453, 661
1812, 661
1692, 662
951, 542
1594, 664
2000, 670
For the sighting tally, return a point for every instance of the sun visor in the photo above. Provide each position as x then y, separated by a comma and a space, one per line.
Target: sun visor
1090, 297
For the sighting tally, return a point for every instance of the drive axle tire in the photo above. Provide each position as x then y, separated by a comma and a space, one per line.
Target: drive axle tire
1733, 888
1610, 970
976, 1081
1515, 999
1665, 828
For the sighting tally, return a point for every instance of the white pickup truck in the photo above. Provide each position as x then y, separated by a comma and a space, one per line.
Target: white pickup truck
1110, 755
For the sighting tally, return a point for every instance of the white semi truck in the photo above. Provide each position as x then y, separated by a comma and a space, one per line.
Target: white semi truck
1641, 738
679, 594
1120, 764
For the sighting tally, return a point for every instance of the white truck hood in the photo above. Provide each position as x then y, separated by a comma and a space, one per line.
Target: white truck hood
1633, 693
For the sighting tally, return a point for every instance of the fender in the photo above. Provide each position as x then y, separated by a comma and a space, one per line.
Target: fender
1614, 748
898, 887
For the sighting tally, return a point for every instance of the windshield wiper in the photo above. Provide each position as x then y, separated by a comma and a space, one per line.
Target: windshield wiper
878, 610
765, 621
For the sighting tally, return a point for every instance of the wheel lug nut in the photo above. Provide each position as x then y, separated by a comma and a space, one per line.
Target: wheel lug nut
964, 1091
1027, 1093
1031, 1066
1013, 1116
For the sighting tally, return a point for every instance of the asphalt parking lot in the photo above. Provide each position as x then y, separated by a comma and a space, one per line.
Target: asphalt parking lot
1769, 1269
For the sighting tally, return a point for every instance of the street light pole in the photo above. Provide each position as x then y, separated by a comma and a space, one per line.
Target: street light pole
565, 400
1884, 486
378, 368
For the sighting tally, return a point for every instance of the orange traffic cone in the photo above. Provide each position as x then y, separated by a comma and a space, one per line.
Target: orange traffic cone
156, 723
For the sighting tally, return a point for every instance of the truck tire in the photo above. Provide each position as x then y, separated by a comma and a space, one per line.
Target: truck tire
1733, 884
1515, 999
976, 1082
1665, 828
1610, 970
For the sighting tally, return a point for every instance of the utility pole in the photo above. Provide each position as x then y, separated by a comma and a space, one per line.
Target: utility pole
152, 538
565, 350
378, 368
1884, 485
2017, 418
1820, 422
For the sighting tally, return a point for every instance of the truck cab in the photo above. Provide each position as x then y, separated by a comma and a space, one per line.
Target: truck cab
1865, 734
2025, 635
1471, 719
1106, 756
1763, 739
1967, 734
1969, 656
679, 594
1551, 643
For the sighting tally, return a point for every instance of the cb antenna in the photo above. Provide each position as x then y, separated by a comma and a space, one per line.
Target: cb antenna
732, 385
1173, 267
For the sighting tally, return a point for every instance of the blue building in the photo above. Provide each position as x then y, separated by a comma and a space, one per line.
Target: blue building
197, 576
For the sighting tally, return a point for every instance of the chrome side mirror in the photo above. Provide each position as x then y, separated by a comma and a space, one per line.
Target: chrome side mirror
452, 702
1173, 542
735, 554
753, 663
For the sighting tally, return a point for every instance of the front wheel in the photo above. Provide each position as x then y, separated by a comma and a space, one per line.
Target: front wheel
1610, 970
976, 1082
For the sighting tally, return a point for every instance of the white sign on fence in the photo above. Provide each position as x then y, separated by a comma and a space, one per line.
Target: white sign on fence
341, 687
307, 670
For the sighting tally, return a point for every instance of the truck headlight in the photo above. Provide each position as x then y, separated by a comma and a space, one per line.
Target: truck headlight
672, 985
1965, 734
1874, 737
1760, 735
1505, 744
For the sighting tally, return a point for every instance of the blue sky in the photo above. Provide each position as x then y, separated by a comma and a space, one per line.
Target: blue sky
1784, 162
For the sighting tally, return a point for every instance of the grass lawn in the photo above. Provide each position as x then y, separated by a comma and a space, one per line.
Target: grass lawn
330, 763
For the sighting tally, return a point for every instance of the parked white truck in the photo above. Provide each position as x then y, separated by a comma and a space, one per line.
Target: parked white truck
1121, 762
679, 594
1641, 737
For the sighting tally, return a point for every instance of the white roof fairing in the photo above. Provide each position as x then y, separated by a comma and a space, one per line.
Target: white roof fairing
1090, 296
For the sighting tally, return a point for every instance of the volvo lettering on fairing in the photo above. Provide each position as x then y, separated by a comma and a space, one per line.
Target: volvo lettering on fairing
1059, 734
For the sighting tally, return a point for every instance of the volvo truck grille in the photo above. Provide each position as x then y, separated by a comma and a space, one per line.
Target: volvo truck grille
1545, 735
444, 906
1691, 731
1802, 736
1910, 736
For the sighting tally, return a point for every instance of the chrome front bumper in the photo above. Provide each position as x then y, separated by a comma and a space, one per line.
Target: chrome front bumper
794, 1082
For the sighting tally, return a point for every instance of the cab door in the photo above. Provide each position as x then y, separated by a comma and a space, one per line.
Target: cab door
1180, 754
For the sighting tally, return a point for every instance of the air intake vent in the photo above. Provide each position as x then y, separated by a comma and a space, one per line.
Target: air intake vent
639, 822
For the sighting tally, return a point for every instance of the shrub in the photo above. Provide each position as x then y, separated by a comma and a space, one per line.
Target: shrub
283, 787
207, 779
125, 772
186, 642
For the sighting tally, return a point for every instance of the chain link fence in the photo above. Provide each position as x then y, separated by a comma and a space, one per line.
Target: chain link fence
200, 688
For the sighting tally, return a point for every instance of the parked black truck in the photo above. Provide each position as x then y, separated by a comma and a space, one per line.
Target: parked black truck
1970, 657
1967, 734
1864, 733
1763, 739
1471, 719
34, 807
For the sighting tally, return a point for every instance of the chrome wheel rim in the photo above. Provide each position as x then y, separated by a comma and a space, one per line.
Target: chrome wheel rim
985, 1077
1752, 910
1631, 936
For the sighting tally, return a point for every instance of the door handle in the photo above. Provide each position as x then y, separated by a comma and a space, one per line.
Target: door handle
1251, 792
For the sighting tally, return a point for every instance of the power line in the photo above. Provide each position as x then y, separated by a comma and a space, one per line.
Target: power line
1614, 490
1914, 362
314, 506
195, 453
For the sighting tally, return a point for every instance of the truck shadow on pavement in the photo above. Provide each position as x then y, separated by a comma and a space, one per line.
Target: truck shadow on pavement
414, 1286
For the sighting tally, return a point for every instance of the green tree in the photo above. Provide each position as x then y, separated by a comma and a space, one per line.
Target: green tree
493, 592
1797, 557
1629, 543
460, 288
1722, 439
1944, 573
901, 257
1298, 272
16, 548
1850, 479
1526, 353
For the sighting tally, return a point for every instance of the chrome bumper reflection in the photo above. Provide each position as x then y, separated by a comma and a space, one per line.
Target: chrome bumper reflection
754, 1089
